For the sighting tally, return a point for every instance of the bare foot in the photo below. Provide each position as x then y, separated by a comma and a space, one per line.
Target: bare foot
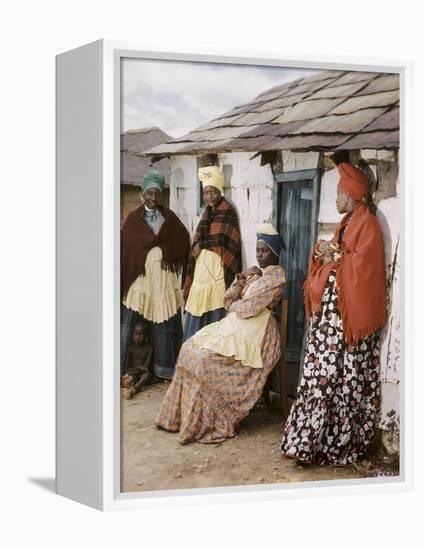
127, 381
128, 393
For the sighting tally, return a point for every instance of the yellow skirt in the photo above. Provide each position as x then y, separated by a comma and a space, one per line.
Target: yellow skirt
156, 295
208, 286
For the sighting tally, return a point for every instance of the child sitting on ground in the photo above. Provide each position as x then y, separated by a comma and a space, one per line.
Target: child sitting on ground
138, 362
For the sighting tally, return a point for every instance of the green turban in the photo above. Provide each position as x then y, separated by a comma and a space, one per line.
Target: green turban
153, 179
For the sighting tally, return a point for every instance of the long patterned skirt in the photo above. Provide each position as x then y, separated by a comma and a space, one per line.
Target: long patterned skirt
332, 420
210, 394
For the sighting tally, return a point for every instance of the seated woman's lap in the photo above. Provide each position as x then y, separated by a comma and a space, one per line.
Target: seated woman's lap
234, 382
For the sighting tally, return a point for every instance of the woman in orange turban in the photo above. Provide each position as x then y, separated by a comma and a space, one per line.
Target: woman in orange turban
333, 417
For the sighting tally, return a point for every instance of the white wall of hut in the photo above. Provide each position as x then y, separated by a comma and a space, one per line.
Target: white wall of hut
249, 187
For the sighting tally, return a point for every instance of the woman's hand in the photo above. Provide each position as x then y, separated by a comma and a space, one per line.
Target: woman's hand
254, 270
241, 277
328, 251
244, 275
324, 247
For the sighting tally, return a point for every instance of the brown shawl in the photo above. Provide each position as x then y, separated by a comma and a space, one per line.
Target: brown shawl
138, 239
360, 276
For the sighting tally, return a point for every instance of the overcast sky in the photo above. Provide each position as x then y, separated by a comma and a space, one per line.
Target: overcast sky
178, 96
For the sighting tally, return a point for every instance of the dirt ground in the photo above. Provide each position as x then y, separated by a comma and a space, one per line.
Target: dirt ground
152, 459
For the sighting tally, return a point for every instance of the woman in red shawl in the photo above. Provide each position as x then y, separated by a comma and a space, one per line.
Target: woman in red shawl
333, 417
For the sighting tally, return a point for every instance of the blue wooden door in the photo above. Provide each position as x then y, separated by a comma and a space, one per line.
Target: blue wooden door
297, 211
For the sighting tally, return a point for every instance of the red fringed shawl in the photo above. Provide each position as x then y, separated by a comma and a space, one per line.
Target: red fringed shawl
138, 239
218, 231
360, 276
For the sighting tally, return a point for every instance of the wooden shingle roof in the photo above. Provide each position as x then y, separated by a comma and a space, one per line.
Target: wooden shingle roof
134, 165
328, 111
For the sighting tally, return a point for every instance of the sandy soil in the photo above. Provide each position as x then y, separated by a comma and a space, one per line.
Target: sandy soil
152, 459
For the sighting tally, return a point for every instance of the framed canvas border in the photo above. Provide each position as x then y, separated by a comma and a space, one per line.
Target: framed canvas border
99, 485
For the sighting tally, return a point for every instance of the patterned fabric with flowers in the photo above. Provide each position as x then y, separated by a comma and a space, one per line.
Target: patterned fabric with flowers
333, 418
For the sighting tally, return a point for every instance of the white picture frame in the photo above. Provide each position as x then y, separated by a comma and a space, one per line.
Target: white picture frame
88, 198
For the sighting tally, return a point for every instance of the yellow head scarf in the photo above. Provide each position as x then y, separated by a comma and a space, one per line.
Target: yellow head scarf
211, 175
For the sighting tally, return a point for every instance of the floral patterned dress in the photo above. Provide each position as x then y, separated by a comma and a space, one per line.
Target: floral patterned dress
332, 420
210, 394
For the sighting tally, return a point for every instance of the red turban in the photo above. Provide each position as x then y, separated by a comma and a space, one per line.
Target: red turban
353, 182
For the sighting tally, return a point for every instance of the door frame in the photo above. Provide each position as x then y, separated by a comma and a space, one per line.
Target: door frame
314, 175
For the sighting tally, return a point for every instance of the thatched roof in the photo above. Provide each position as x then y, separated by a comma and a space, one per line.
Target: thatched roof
134, 165
328, 111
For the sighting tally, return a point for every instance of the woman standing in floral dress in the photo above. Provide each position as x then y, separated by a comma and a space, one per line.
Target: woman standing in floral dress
332, 420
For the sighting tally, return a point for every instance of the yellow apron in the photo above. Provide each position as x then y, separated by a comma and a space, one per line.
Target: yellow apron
208, 286
235, 337
156, 295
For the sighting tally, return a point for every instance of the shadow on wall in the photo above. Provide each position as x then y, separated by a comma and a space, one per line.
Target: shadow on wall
227, 170
389, 336
387, 237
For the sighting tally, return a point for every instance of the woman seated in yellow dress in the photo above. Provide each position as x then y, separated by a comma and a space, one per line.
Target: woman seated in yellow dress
221, 371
